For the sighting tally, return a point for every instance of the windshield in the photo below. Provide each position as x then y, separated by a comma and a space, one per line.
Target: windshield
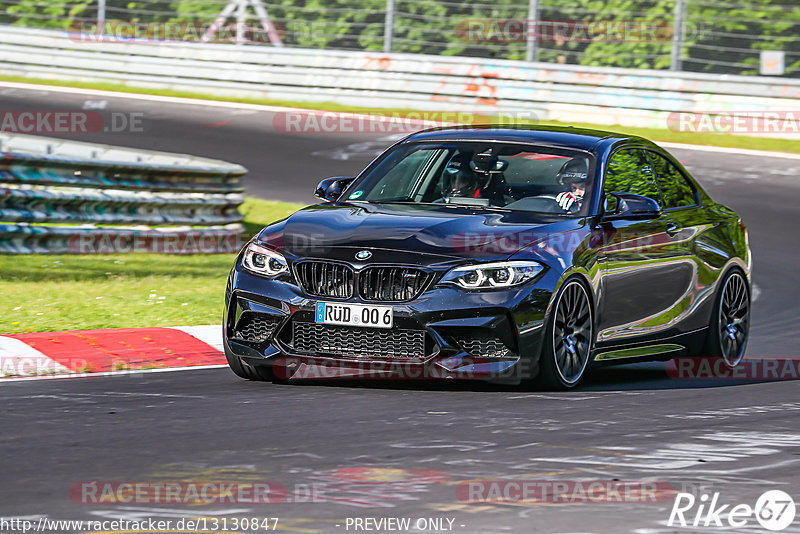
490, 175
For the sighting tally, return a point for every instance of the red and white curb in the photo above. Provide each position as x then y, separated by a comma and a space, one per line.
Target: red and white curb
109, 351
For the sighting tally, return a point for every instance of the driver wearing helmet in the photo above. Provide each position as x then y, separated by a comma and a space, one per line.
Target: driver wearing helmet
574, 174
460, 180
475, 176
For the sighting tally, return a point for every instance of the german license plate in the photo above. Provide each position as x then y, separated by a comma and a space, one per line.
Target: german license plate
354, 315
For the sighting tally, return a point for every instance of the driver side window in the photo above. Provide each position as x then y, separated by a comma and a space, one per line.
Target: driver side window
675, 188
629, 171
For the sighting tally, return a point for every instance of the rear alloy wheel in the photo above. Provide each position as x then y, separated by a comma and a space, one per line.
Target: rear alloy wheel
731, 321
569, 338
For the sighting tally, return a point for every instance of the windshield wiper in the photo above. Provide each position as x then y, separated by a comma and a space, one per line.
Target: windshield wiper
391, 200
406, 200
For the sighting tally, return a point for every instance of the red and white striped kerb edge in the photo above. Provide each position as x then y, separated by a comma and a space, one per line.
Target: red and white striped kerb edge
125, 350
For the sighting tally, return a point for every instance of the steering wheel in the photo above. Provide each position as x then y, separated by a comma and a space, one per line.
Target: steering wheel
541, 203
555, 207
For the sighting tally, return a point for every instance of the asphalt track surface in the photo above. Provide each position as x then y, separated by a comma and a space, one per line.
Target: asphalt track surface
379, 450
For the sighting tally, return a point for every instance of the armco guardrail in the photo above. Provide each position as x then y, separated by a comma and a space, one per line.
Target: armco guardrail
627, 97
96, 192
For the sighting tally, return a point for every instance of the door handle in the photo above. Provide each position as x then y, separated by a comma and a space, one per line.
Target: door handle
673, 229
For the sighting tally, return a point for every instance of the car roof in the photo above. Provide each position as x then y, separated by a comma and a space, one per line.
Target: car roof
561, 136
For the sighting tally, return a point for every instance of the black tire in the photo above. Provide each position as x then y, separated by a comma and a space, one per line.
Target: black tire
569, 338
248, 372
730, 320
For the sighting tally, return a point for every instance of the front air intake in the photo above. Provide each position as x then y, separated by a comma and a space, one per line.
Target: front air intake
325, 279
392, 284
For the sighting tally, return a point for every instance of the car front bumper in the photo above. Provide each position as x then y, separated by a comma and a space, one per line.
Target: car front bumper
487, 335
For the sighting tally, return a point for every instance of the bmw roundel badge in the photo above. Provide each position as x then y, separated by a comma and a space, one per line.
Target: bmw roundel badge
363, 255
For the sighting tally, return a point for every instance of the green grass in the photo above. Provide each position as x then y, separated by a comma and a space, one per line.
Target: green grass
65, 292
258, 213
656, 134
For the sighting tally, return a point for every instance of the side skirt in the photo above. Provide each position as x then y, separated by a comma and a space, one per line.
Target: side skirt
689, 344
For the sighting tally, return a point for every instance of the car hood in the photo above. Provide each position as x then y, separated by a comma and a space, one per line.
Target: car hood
423, 234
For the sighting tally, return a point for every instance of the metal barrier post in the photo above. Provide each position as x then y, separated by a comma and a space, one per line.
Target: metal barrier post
101, 18
388, 27
531, 50
678, 23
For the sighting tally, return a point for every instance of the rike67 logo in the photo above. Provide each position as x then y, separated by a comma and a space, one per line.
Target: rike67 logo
774, 510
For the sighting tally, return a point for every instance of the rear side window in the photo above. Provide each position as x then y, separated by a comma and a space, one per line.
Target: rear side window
676, 190
629, 171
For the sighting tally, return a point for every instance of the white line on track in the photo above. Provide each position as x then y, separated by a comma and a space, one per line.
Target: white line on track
727, 150
128, 373
264, 107
141, 96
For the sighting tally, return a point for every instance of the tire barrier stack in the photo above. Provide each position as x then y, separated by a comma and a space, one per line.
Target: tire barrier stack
63, 197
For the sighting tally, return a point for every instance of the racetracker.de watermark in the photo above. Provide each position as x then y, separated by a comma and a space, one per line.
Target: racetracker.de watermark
707, 368
310, 368
124, 242
72, 122
565, 31
563, 491
185, 493
354, 486
173, 32
332, 122
736, 122
604, 241
490, 243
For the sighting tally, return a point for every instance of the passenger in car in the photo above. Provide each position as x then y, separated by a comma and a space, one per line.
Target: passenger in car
573, 174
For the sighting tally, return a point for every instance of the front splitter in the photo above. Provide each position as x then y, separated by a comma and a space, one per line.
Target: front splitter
462, 367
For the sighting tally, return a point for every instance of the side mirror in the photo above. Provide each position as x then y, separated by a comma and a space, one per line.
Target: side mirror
633, 207
331, 189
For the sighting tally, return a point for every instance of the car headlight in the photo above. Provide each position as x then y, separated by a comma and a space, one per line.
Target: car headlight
261, 260
493, 275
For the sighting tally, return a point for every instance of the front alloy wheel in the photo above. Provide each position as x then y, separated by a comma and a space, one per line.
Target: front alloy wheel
569, 338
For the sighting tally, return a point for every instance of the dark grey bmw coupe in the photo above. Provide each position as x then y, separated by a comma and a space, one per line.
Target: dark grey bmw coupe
497, 253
